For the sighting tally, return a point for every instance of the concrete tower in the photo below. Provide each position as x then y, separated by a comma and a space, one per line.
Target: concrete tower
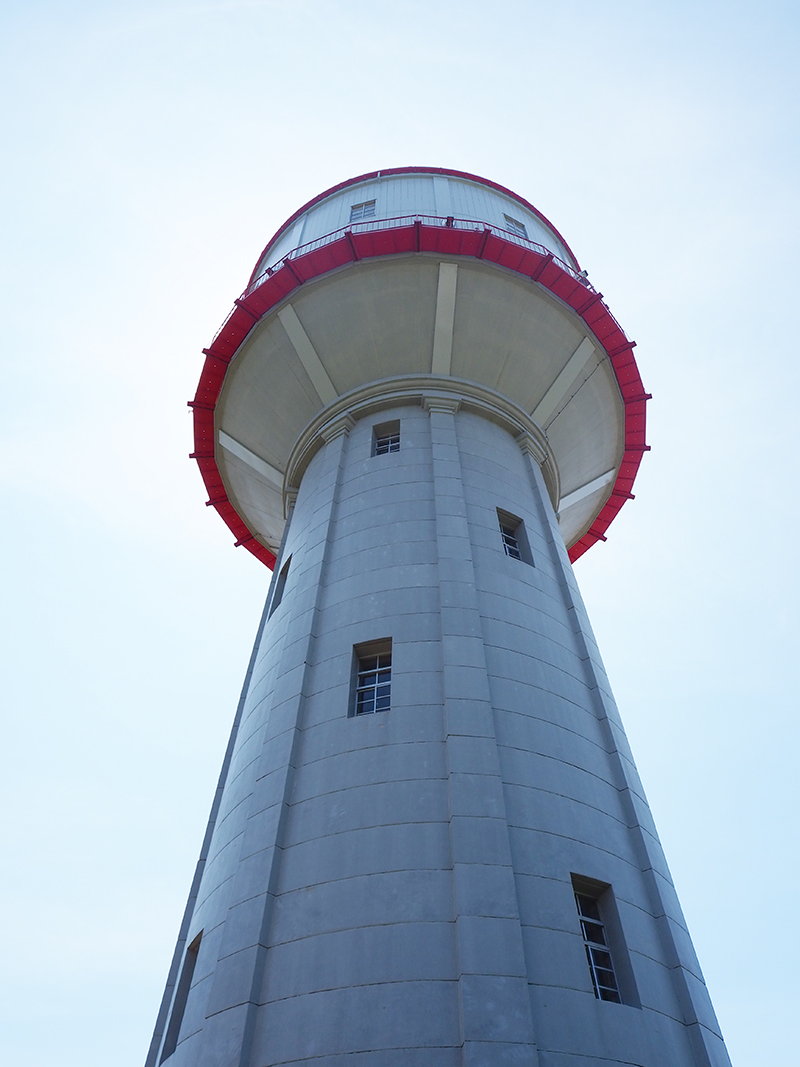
429, 846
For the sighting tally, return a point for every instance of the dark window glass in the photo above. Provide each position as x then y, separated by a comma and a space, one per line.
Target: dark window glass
280, 585
588, 906
510, 542
374, 684
594, 932
390, 443
601, 966
386, 438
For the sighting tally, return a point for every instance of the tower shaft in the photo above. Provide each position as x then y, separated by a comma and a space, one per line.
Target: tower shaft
431, 846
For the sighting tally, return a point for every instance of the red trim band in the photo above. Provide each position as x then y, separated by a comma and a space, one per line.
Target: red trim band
352, 247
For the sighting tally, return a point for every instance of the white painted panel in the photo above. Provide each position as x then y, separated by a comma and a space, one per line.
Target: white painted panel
308, 354
290, 240
558, 391
473, 201
585, 491
441, 196
445, 316
272, 474
398, 196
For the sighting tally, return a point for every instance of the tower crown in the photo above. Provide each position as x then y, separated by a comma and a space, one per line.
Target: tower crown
413, 192
396, 283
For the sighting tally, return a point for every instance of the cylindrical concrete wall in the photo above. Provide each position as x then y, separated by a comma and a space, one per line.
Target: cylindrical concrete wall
399, 888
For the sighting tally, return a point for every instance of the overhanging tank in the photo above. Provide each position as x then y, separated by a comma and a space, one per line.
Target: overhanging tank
414, 273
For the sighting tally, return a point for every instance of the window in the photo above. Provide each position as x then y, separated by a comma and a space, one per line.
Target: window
280, 585
515, 226
373, 677
362, 211
386, 438
510, 542
514, 538
598, 953
181, 996
604, 943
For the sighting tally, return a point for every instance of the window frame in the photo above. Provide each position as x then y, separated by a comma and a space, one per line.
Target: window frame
372, 658
280, 586
514, 537
519, 229
365, 210
611, 942
386, 438
598, 949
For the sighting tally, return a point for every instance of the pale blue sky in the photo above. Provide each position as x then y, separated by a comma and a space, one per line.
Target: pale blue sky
151, 148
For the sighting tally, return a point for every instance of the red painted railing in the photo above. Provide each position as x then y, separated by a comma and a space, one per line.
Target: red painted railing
448, 221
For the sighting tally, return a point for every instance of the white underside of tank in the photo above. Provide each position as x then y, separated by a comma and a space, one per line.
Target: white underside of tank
419, 315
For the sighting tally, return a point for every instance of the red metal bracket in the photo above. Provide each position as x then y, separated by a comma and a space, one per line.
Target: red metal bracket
593, 299
222, 359
622, 349
248, 311
349, 235
293, 270
548, 259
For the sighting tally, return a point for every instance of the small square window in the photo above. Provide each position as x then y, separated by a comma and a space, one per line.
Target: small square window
515, 226
386, 438
513, 536
362, 211
373, 677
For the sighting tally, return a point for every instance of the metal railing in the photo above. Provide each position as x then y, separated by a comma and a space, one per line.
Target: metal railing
446, 222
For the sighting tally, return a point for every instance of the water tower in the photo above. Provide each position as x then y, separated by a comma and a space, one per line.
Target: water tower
429, 846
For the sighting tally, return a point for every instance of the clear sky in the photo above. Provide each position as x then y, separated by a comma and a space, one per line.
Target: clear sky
150, 149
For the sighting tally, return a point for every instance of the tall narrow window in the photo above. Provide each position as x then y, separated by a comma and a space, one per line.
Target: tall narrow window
598, 950
604, 942
364, 210
373, 677
181, 996
513, 537
280, 585
515, 226
386, 438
